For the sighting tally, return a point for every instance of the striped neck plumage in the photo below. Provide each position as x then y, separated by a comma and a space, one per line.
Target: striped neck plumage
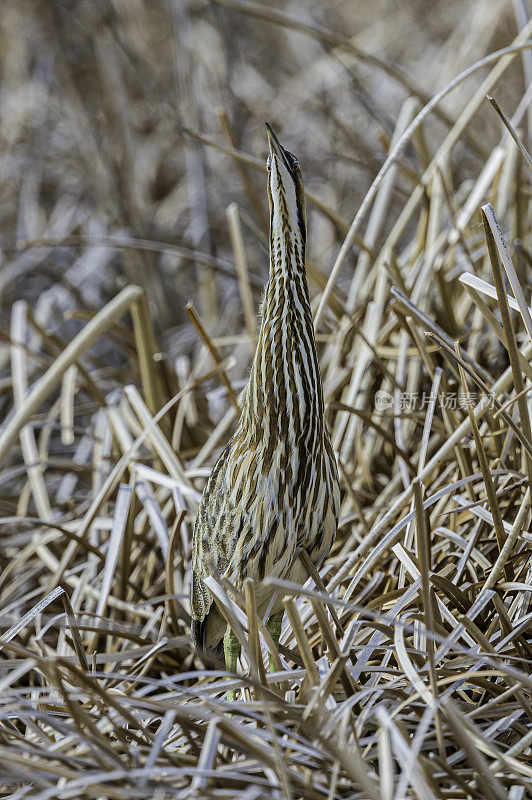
285, 396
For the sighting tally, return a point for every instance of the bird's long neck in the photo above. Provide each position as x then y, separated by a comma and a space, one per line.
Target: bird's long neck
285, 396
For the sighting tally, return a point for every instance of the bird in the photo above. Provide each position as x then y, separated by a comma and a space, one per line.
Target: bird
274, 490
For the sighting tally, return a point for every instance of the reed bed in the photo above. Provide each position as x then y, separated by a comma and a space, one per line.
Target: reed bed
134, 254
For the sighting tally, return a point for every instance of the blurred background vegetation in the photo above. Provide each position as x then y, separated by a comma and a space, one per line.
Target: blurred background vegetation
103, 107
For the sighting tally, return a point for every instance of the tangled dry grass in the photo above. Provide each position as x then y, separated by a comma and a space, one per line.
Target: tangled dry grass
132, 150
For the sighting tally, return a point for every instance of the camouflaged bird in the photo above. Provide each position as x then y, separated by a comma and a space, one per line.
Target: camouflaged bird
274, 489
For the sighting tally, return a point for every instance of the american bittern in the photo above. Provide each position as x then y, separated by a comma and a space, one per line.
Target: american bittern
274, 490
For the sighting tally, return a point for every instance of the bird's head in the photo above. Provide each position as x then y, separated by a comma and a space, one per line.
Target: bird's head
285, 190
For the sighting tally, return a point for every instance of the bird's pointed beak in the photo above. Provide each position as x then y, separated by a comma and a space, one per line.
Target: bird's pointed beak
276, 149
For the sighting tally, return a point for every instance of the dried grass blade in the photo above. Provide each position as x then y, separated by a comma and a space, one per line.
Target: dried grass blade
423, 541
173, 608
73, 624
147, 498
207, 757
489, 215
120, 516
30, 615
257, 664
79, 345
492, 788
213, 350
493, 245
482, 286
241, 261
68, 390
164, 729
509, 544
302, 640
350, 686
493, 322
156, 437
403, 754
408, 668
511, 130
427, 425
401, 144
114, 477
491, 395
486, 476
28, 443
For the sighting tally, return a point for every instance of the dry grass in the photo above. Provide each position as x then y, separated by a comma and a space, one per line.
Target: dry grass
128, 189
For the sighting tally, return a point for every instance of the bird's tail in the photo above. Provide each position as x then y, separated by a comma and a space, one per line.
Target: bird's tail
198, 634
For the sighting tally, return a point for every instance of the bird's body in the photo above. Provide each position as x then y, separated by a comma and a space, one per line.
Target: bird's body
274, 489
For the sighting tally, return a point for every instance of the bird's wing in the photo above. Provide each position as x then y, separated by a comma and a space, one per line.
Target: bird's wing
219, 531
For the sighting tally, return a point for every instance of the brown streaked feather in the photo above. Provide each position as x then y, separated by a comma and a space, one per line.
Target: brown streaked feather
275, 486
